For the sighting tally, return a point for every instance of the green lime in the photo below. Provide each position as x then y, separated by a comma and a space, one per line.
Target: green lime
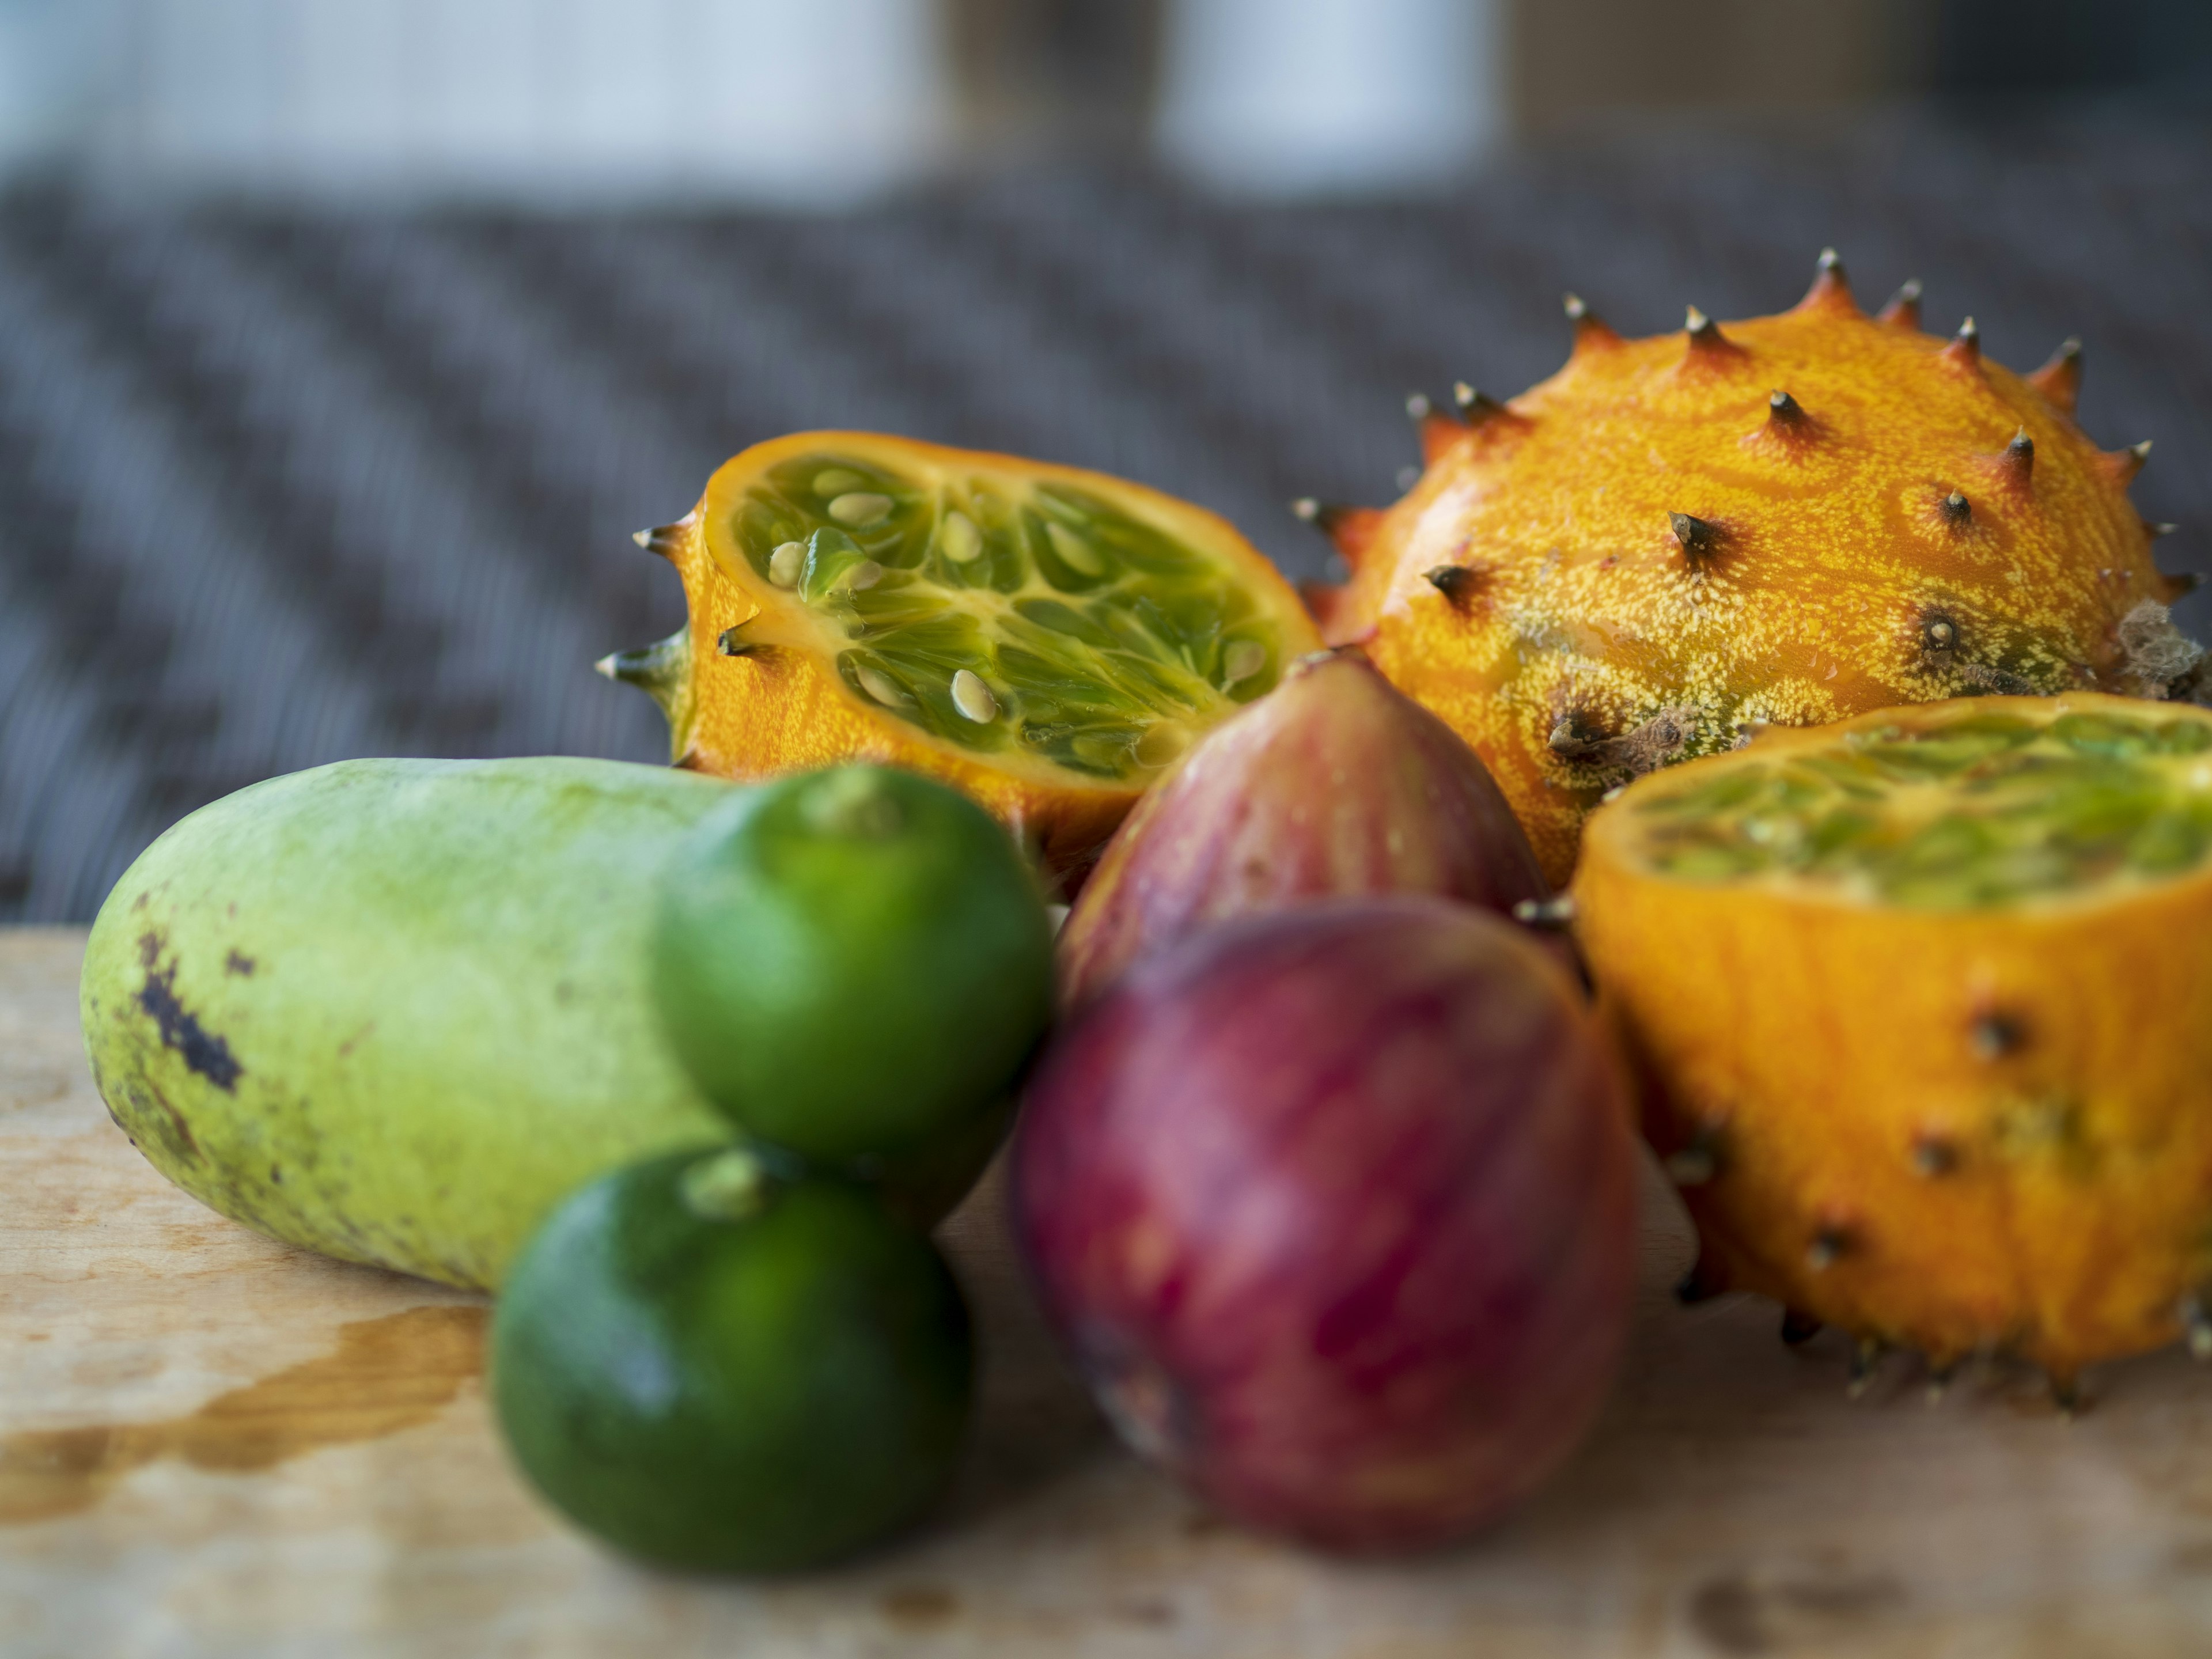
855, 964
710, 1368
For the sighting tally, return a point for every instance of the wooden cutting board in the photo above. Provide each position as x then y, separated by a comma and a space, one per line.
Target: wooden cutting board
211, 1443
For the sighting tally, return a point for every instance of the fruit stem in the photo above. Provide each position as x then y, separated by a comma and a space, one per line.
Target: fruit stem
730, 1185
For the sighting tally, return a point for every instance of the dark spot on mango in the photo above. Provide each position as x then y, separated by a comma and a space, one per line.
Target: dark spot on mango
203, 1052
239, 964
187, 1146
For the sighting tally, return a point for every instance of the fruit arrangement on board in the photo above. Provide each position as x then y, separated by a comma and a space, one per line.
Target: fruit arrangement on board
1772, 735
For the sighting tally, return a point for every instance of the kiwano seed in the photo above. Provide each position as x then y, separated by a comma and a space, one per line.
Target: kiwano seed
962, 541
1075, 553
973, 698
786, 562
1242, 659
859, 506
879, 685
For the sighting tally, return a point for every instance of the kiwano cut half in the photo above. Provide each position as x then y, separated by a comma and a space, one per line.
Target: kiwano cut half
1787, 520
1046, 639
1923, 1008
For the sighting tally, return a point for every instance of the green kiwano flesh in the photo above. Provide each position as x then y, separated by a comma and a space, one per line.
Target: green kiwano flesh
394, 1009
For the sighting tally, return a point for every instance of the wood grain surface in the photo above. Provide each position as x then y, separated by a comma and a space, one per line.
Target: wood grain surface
211, 1443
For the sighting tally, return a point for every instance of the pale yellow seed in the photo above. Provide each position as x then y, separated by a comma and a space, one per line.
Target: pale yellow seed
1242, 659
786, 562
866, 574
880, 686
973, 698
1162, 744
1075, 553
859, 506
837, 481
962, 541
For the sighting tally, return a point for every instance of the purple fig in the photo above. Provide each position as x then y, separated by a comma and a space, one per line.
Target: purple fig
1335, 783
1334, 1208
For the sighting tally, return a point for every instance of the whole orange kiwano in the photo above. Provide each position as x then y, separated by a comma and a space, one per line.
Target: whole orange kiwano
1046, 639
1789, 520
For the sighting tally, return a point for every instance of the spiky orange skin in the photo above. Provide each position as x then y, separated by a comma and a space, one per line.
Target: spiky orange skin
776, 709
1820, 1048
1833, 550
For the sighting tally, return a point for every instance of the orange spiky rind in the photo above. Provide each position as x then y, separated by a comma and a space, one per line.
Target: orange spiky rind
2059, 379
1840, 550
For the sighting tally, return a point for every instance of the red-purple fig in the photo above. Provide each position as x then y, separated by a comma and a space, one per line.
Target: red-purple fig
1334, 1208
1335, 783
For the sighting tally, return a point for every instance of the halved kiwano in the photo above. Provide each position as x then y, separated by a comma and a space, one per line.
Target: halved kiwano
1046, 638
1924, 1004
1995, 802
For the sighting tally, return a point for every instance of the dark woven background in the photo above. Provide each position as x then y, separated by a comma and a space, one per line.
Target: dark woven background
278, 489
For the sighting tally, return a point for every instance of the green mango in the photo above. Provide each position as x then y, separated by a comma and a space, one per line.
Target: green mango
395, 1010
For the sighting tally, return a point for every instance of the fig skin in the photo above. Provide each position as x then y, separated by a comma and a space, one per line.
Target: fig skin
1334, 1208
1335, 783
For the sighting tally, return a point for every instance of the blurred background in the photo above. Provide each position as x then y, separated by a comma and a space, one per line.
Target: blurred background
342, 342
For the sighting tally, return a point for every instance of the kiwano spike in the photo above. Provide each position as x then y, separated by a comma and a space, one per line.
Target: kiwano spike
1477, 407
1798, 1329
665, 539
1865, 1358
1458, 583
1698, 536
1352, 528
1590, 330
2060, 380
2123, 466
1958, 511
2018, 458
2178, 585
1784, 413
1826, 1247
2196, 1328
662, 671
1831, 289
2166, 527
1707, 344
1965, 350
1903, 310
1934, 1156
1437, 428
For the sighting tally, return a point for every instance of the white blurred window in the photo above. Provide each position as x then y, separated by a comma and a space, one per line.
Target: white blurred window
1300, 96
804, 100
812, 102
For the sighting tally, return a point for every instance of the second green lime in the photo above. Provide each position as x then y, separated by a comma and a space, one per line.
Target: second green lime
855, 964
